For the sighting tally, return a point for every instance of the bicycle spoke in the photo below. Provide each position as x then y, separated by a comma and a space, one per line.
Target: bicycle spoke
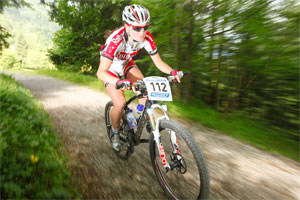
188, 177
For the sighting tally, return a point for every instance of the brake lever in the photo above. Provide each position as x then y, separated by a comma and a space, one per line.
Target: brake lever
138, 86
186, 73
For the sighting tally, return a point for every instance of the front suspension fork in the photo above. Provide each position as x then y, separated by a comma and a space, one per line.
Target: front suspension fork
156, 134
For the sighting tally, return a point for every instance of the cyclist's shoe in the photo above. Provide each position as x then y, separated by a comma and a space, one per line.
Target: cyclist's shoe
115, 141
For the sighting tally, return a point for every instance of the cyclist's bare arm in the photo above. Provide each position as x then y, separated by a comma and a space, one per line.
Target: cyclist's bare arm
102, 72
162, 66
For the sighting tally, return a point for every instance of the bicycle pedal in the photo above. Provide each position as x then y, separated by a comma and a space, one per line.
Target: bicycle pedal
144, 141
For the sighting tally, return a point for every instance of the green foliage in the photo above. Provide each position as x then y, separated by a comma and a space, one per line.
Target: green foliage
243, 54
4, 35
31, 35
83, 27
31, 163
9, 60
12, 3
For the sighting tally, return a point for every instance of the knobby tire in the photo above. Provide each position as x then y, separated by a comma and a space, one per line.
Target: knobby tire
173, 182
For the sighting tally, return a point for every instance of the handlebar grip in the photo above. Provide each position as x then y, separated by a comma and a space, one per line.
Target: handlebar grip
171, 78
123, 83
118, 87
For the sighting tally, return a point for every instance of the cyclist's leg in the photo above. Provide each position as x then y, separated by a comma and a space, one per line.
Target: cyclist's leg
132, 72
119, 101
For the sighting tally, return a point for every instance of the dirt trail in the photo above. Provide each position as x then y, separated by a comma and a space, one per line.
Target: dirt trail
237, 170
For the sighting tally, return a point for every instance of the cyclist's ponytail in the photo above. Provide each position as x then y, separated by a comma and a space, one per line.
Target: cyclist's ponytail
107, 34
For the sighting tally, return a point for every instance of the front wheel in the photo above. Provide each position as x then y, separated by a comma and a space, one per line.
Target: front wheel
188, 177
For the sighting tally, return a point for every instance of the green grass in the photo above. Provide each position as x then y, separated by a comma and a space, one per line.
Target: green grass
237, 125
32, 165
85, 80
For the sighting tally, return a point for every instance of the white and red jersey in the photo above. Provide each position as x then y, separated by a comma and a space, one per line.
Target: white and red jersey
118, 49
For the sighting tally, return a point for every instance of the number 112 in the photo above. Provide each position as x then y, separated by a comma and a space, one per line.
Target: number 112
160, 86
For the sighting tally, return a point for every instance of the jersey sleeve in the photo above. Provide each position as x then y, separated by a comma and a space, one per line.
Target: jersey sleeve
112, 45
150, 45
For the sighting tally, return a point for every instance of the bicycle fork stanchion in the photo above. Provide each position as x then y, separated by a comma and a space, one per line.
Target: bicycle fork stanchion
156, 134
174, 144
172, 134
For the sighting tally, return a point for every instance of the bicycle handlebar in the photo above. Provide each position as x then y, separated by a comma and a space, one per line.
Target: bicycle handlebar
140, 85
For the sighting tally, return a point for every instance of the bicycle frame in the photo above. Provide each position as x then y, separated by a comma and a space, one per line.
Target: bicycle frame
150, 106
165, 137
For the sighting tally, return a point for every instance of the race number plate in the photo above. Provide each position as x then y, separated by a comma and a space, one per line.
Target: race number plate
158, 88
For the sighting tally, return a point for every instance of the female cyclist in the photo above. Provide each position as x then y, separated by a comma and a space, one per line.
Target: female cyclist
117, 68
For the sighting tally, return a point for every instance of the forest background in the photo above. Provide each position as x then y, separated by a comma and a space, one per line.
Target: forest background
243, 55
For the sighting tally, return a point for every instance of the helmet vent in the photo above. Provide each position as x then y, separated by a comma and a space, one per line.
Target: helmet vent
136, 15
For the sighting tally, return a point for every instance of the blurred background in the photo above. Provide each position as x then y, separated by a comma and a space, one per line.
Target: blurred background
243, 56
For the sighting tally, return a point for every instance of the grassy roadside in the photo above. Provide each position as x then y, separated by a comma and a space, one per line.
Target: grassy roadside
239, 126
32, 165
236, 125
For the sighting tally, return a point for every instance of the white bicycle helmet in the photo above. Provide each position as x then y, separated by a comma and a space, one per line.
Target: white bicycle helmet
136, 15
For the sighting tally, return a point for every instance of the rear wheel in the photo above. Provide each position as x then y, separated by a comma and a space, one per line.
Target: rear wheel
189, 177
126, 145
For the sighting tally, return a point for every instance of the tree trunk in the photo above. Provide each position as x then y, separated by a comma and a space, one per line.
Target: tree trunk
188, 82
218, 76
176, 88
211, 95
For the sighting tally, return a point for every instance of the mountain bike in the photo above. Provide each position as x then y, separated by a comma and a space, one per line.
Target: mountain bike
176, 159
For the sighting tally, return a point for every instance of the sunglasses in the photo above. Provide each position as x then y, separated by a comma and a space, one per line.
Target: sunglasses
138, 29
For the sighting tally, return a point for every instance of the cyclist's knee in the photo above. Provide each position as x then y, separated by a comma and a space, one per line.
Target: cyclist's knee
119, 105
